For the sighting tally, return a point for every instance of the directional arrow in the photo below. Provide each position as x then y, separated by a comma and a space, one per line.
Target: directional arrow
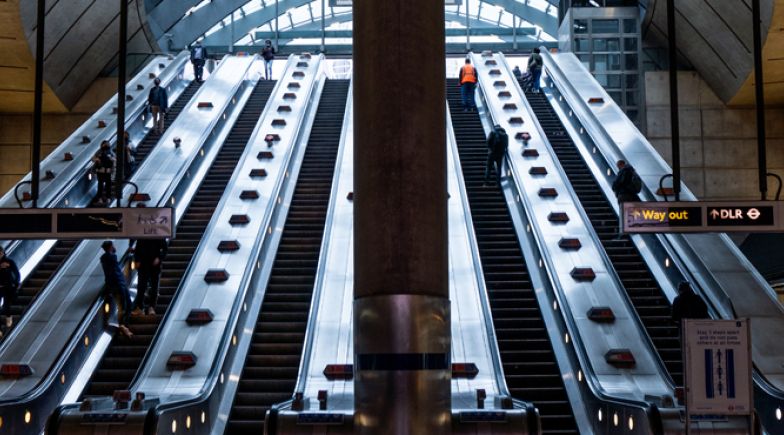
715, 214
753, 214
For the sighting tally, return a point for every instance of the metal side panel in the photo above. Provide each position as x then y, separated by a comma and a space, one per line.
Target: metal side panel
54, 324
711, 261
206, 342
330, 329
73, 185
646, 377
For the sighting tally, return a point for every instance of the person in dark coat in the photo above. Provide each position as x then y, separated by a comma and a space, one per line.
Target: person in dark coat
9, 285
114, 283
688, 305
148, 254
624, 189
159, 105
268, 53
104, 161
497, 143
198, 59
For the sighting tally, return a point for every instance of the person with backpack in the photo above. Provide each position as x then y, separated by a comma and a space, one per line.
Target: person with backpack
497, 144
268, 53
535, 63
626, 186
688, 305
468, 79
198, 59
159, 105
104, 166
9, 285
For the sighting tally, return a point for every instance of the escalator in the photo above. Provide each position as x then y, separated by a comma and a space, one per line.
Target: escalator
271, 367
124, 355
46, 269
645, 294
530, 366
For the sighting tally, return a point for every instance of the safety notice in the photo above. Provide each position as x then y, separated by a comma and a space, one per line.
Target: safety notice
718, 367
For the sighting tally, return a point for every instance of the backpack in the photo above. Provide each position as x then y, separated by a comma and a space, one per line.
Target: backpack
635, 183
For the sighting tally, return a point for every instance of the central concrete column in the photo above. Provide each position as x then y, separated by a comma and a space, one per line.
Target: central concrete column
401, 292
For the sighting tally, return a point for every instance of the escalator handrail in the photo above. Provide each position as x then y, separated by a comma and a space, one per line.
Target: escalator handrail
216, 369
680, 252
321, 268
582, 358
500, 378
202, 247
594, 239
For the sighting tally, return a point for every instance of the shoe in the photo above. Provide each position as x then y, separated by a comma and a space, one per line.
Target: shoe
137, 312
150, 311
125, 331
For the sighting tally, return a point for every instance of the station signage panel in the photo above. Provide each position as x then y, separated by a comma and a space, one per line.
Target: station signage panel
717, 360
701, 217
86, 223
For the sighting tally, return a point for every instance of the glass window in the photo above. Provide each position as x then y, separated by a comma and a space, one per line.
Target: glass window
631, 62
617, 96
609, 44
580, 26
614, 62
630, 44
632, 80
630, 26
631, 98
605, 26
609, 81
581, 44
600, 62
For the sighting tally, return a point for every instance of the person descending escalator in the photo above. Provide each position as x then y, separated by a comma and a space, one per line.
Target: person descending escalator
104, 161
497, 144
159, 105
268, 53
198, 59
9, 286
468, 79
115, 284
148, 254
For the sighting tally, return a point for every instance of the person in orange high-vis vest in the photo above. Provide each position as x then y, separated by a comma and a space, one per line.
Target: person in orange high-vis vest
468, 85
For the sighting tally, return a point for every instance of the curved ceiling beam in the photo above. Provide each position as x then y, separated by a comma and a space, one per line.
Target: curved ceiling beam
191, 27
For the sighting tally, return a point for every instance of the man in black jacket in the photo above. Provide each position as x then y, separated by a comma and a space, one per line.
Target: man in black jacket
624, 189
114, 283
268, 53
159, 105
497, 143
9, 284
149, 253
688, 305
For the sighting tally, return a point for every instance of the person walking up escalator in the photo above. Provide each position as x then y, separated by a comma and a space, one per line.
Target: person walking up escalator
9, 286
148, 254
468, 79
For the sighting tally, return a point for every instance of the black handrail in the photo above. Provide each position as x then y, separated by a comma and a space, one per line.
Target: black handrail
135, 191
19, 201
661, 185
778, 178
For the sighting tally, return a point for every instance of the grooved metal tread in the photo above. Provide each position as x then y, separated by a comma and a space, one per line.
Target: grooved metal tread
62, 249
271, 367
124, 355
530, 367
647, 297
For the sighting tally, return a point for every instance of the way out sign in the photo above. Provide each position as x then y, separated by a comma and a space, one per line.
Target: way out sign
718, 367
